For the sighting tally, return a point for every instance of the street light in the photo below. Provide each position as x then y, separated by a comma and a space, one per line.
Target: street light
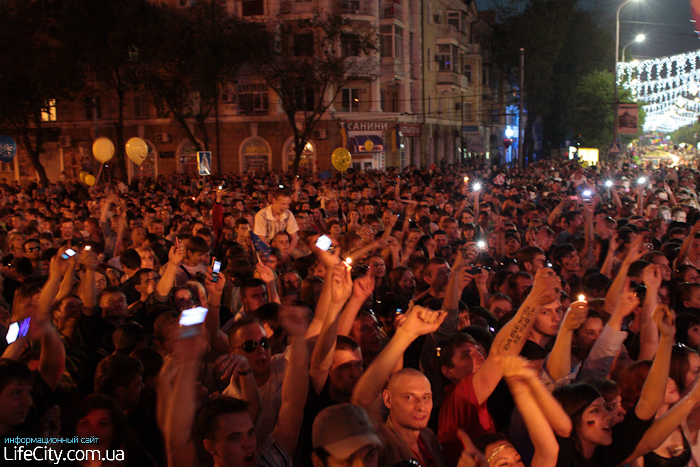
637, 40
617, 58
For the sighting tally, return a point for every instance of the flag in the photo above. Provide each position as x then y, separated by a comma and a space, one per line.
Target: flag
260, 246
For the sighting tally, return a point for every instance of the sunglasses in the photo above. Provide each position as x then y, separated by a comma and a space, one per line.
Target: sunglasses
34, 248
250, 346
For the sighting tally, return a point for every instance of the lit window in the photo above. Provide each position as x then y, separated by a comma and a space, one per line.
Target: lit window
48, 113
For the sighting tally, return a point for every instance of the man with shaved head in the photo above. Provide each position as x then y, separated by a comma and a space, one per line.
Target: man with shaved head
408, 396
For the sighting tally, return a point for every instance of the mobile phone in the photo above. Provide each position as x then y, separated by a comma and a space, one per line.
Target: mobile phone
221, 187
481, 244
68, 253
215, 270
190, 320
17, 329
573, 198
88, 247
324, 242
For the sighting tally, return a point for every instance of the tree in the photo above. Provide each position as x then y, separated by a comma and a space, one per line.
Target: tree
109, 37
592, 115
311, 61
36, 72
199, 50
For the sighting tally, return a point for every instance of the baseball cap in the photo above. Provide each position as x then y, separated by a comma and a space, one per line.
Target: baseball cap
343, 430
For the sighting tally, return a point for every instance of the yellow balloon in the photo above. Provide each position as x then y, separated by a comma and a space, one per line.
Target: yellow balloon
341, 159
369, 145
82, 176
137, 150
89, 180
103, 149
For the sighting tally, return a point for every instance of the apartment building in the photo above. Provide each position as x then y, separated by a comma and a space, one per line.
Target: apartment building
438, 98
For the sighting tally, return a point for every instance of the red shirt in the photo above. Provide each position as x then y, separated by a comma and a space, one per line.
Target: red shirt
460, 409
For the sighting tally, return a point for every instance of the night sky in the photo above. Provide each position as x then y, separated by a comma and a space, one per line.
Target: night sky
666, 24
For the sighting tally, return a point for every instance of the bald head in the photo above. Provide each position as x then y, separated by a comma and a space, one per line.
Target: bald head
399, 378
409, 399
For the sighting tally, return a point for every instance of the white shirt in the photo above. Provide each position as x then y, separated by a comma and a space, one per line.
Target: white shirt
266, 226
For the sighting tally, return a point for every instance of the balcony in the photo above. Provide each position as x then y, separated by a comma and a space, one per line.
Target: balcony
449, 33
355, 7
299, 8
391, 67
390, 11
452, 79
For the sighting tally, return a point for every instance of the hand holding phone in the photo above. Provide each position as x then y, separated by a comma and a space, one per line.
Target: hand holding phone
215, 269
190, 321
324, 243
68, 253
17, 330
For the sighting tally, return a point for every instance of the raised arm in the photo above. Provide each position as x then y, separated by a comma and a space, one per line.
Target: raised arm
634, 252
654, 388
362, 289
86, 290
685, 248
664, 426
559, 360
419, 321
167, 280
648, 332
180, 401
266, 275
532, 399
322, 307
322, 356
295, 387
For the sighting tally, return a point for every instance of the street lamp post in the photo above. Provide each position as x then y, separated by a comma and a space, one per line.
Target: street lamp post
617, 58
637, 40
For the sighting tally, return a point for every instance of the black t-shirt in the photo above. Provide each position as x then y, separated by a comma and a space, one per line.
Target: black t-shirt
626, 435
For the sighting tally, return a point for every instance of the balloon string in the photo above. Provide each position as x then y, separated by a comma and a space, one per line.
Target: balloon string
97, 181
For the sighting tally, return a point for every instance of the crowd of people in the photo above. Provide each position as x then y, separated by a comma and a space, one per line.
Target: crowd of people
456, 316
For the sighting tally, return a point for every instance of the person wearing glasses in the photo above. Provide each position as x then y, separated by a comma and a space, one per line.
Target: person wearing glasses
248, 339
32, 251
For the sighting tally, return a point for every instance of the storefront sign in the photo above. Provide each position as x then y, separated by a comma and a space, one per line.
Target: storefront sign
367, 126
410, 129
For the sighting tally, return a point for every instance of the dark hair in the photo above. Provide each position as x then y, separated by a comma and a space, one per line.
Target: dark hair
130, 259
574, 399
197, 245
206, 425
445, 350
116, 371
245, 321
12, 370
104, 402
680, 363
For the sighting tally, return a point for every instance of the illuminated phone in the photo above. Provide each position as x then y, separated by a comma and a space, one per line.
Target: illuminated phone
190, 320
68, 253
17, 330
324, 242
215, 270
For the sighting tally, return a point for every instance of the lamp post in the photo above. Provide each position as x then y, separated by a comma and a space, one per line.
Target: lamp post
617, 58
637, 40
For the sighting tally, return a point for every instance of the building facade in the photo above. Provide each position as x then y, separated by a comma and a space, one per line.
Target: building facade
438, 99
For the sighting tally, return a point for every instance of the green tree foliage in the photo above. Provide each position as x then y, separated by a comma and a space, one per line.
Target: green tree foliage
591, 117
35, 68
687, 134
563, 44
198, 50
311, 61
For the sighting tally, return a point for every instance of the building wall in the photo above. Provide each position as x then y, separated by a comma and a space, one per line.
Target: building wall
412, 94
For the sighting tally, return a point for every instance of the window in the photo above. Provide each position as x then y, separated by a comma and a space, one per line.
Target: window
253, 99
430, 63
304, 100
398, 42
444, 58
485, 77
386, 41
468, 112
90, 103
141, 106
304, 45
453, 18
468, 72
48, 113
253, 8
351, 100
350, 45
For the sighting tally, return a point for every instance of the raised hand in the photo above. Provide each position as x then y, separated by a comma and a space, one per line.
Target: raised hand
229, 365
89, 259
294, 319
652, 277
575, 316
516, 367
665, 320
341, 283
363, 287
546, 288
421, 321
471, 456
636, 250
264, 273
214, 287
176, 255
